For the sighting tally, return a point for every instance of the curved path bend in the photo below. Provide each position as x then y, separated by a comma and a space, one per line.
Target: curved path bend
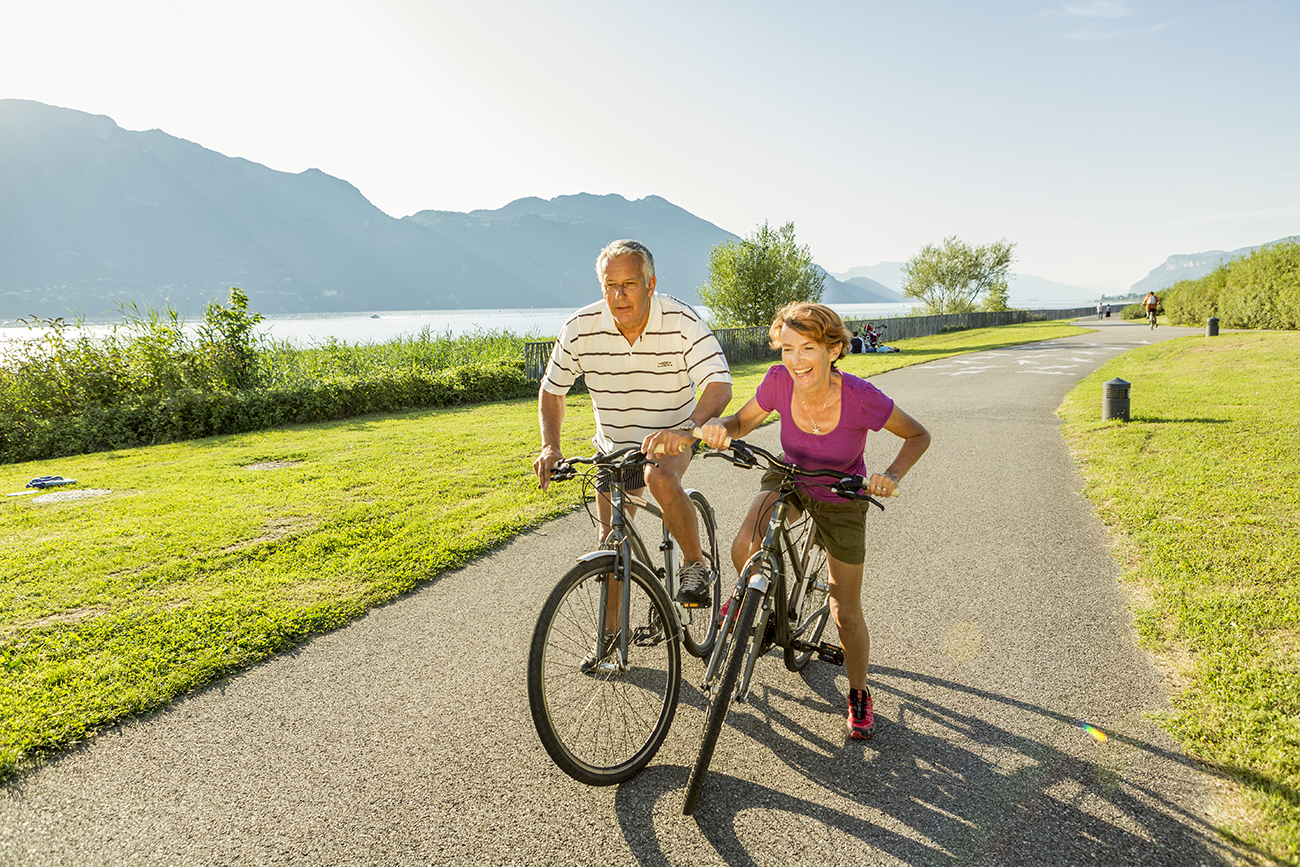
998, 626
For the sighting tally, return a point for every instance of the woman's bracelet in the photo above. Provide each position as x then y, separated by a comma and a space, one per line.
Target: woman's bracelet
896, 479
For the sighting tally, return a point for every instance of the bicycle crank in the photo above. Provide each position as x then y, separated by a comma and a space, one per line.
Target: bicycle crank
826, 652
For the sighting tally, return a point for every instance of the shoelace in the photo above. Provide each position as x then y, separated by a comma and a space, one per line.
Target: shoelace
858, 703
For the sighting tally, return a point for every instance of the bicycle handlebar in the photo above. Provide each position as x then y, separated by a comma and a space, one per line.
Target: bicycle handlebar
746, 455
628, 456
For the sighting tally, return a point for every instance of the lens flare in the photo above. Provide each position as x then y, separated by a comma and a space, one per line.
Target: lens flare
1097, 734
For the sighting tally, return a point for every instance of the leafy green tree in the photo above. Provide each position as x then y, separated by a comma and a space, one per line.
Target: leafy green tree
752, 278
951, 278
228, 340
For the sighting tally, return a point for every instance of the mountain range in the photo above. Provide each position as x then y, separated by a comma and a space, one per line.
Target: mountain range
93, 216
1193, 265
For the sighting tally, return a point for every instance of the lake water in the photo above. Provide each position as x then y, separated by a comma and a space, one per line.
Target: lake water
382, 326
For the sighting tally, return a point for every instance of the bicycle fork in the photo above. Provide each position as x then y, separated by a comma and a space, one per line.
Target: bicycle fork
761, 581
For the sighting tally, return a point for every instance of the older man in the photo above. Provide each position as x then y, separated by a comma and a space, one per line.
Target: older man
644, 355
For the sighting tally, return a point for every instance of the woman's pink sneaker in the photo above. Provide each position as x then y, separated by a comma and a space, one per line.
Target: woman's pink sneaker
862, 720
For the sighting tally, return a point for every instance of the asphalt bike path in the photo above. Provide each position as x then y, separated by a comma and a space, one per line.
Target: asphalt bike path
1002, 655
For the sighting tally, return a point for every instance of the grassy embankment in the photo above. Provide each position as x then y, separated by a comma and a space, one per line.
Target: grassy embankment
196, 564
1200, 489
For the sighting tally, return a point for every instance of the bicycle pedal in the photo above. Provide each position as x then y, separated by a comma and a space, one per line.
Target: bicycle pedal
832, 653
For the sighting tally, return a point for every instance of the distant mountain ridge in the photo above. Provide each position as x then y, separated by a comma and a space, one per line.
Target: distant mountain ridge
92, 216
1022, 289
1193, 265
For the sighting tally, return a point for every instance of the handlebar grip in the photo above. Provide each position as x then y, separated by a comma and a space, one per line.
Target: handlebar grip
659, 449
699, 436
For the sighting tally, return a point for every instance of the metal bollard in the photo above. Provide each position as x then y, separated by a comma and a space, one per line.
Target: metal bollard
1114, 400
1212, 327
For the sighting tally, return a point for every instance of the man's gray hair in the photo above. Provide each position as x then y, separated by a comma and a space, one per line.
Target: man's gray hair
626, 247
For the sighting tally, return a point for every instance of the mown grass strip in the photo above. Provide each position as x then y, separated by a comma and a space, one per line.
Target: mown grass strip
207, 556
1200, 488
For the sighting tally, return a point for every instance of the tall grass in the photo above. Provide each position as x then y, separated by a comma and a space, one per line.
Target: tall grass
282, 364
153, 379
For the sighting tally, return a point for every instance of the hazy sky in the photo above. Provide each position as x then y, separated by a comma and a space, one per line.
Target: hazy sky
1100, 136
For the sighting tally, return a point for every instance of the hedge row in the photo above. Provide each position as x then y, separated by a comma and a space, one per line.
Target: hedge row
1260, 290
189, 414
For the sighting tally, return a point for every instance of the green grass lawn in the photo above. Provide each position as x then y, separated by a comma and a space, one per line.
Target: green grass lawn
1202, 490
195, 564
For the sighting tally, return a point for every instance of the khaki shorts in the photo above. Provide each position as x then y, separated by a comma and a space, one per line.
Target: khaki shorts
841, 527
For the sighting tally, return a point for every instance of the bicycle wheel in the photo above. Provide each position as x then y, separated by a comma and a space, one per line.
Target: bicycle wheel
809, 609
700, 625
736, 642
603, 725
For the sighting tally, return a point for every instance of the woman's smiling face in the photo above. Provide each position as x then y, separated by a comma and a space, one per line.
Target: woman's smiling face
808, 360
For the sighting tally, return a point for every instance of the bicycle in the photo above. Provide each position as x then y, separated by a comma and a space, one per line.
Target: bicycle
749, 629
603, 695
1151, 317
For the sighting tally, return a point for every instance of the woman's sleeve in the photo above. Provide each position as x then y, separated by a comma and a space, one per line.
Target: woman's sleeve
769, 390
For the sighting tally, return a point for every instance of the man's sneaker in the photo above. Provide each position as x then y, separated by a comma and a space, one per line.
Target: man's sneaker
862, 720
594, 662
694, 590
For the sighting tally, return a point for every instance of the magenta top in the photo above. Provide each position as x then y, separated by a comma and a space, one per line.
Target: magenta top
863, 408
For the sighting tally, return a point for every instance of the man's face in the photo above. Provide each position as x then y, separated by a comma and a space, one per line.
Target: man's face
627, 295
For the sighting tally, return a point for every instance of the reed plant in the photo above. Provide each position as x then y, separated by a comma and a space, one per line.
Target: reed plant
154, 379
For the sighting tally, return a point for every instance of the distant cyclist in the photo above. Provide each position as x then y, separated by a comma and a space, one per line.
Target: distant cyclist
1152, 304
825, 417
643, 355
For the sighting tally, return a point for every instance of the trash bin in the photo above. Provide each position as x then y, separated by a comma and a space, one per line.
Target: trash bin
1114, 400
1212, 327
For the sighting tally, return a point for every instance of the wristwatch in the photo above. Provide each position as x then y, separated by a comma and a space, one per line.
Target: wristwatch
688, 425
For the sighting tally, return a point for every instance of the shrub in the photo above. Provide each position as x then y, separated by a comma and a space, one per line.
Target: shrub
1259, 290
192, 414
152, 380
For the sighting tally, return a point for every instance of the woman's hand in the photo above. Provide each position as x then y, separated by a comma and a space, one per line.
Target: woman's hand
714, 433
883, 485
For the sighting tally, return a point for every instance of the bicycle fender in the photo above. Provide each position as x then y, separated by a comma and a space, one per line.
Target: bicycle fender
594, 555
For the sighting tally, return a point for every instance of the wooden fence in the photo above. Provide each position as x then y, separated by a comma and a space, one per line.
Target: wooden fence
751, 344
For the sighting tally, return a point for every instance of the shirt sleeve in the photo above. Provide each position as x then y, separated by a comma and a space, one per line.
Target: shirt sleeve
769, 390
705, 361
874, 406
564, 366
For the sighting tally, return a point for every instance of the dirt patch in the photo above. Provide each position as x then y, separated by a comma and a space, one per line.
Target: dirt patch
281, 528
69, 496
70, 617
272, 465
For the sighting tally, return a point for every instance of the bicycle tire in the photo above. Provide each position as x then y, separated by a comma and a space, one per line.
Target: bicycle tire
602, 727
720, 700
809, 621
699, 642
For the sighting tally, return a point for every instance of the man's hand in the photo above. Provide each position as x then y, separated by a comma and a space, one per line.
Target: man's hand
667, 442
549, 457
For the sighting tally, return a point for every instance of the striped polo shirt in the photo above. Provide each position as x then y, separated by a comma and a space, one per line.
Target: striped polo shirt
639, 388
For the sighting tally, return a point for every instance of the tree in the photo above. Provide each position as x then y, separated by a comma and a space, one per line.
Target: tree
227, 338
752, 278
950, 278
